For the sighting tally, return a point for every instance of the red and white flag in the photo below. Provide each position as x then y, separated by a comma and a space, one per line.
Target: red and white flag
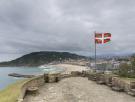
101, 38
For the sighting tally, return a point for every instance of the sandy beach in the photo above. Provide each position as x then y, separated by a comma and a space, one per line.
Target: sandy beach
77, 89
68, 68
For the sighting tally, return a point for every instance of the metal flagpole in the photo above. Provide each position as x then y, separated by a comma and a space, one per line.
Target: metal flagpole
95, 52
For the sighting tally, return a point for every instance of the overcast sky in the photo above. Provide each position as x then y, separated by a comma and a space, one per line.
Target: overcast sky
65, 25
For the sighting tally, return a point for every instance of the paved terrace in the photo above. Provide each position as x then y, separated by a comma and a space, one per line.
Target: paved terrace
77, 89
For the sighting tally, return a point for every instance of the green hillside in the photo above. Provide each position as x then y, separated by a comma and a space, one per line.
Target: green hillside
39, 58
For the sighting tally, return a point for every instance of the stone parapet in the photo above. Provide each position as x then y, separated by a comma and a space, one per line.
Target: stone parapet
110, 80
114, 81
36, 82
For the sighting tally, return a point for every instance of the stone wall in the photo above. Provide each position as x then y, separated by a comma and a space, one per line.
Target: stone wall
34, 82
37, 82
46, 78
109, 80
114, 81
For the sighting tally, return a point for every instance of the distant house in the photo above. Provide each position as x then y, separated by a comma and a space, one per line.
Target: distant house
105, 66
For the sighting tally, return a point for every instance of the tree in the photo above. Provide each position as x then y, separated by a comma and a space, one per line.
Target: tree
125, 70
133, 65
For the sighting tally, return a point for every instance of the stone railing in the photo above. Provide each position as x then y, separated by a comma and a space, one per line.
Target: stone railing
34, 82
37, 82
46, 78
109, 80
115, 82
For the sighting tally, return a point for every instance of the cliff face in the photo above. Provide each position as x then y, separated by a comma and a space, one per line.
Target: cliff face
39, 58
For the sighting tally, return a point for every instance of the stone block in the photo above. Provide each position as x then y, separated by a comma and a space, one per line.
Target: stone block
76, 73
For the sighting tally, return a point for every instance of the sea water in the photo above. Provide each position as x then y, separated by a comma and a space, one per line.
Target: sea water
6, 80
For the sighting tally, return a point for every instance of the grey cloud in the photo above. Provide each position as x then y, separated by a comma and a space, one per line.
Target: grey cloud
65, 25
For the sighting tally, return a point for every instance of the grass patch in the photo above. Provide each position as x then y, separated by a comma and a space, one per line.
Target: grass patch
11, 93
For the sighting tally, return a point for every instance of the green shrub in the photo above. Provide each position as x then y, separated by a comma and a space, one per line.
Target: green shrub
124, 70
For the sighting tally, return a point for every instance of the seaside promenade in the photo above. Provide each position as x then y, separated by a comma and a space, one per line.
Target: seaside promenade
77, 89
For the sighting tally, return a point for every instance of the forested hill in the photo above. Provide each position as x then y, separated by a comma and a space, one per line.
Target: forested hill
39, 58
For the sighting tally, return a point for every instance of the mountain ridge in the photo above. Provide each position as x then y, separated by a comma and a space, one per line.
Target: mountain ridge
42, 57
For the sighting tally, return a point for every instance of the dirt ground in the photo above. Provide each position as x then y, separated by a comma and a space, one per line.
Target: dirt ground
77, 89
